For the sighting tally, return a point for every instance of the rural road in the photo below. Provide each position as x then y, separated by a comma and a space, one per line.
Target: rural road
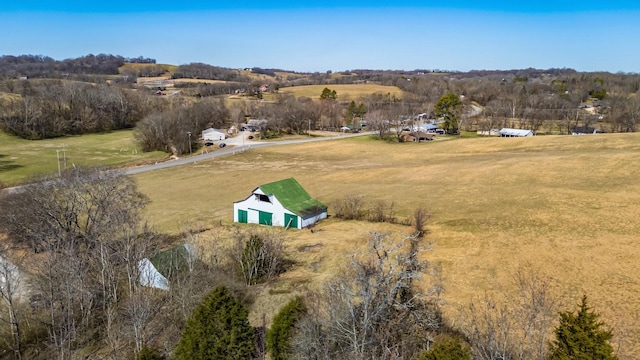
234, 145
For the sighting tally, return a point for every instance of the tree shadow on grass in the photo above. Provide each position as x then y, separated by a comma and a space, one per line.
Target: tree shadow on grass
7, 165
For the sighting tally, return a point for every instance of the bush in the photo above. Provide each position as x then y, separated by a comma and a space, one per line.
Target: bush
148, 353
258, 258
448, 348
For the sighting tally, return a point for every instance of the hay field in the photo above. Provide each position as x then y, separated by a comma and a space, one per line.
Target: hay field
135, 67
568, 206
345, 91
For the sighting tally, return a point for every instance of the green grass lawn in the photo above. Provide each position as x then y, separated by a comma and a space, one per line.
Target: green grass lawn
22, 159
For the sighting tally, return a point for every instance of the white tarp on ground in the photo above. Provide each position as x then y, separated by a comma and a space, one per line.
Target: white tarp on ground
149, 275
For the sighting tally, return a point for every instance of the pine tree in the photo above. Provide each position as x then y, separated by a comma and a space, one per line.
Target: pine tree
581, 336
218, 329
279, 335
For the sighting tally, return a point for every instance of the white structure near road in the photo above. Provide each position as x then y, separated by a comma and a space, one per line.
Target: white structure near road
282, 203
507, 132
213, 135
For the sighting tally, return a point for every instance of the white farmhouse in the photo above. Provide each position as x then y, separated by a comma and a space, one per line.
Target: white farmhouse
281, 203
213, 135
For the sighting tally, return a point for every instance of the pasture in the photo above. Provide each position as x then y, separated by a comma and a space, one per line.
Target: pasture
22, 159
564, 207
346, 92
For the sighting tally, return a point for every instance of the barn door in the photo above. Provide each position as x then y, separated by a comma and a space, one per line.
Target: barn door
242, 216
265, 218
291, 221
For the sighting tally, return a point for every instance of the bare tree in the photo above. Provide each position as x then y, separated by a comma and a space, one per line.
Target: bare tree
373, 310
515, 327
10, 285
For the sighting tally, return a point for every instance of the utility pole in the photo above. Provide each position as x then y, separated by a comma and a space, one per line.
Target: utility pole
58, 161
189, 132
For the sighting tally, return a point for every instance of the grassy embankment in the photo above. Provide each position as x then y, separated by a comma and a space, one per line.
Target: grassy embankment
567, 206
22, 159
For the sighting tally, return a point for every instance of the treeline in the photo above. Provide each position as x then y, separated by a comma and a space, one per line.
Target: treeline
209, 72
53, 108
39, 66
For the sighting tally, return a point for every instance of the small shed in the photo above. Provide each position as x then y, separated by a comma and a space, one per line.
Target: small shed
156, 271
213, 135
282, 203
507, 132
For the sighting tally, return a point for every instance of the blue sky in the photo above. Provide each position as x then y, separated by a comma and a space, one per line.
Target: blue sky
334, 35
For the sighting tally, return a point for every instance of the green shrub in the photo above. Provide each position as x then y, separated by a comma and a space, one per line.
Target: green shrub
448, 348
218, 329
279, 334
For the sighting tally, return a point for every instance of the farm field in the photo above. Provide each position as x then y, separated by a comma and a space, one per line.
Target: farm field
21, 159
345, 91
564, 207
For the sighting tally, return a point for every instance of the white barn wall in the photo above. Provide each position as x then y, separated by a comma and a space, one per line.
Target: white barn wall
311, 219
253, 205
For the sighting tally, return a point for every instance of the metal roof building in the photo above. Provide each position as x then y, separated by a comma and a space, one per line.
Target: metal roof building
507, 132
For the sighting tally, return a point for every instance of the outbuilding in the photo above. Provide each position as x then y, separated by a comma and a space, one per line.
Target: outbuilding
282, 203
507, 132
213, 135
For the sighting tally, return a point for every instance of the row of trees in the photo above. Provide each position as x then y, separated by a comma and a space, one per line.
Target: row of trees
44, 66
56, 108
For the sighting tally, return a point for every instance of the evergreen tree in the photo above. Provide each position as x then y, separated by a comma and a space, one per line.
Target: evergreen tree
218, 329
449, 107
581, 336
279, 335
328, 94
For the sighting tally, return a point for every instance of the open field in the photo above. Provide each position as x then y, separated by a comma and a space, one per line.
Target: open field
567, 206
136, 67
345, 91
21, 159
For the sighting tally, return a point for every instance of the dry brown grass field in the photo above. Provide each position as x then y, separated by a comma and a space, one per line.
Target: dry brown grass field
345, 91
136, 66
566, 206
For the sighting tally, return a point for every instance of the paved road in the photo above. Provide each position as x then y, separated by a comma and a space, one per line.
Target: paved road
234, 145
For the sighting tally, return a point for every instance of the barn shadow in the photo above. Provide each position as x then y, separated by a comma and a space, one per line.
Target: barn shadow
6, 165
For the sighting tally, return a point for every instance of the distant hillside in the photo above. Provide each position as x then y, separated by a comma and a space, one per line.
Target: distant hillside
43, 66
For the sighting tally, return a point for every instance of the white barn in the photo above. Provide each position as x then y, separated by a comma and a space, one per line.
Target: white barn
213, 135
281, 203
507, 132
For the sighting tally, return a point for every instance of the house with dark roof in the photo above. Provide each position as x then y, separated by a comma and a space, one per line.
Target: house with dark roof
282, 203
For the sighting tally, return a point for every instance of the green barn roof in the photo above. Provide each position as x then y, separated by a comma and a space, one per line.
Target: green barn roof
293, 197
